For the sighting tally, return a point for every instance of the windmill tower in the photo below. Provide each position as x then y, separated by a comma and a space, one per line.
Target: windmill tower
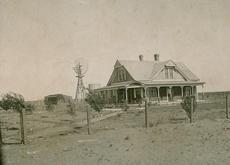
80, 69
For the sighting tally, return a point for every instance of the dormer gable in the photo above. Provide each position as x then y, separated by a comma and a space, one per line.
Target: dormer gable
170, 72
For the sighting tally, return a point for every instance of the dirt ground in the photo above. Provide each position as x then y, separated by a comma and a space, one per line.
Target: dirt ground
41, 123
123, 140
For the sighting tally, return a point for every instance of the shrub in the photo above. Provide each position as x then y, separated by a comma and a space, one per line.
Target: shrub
95, 100
186, 105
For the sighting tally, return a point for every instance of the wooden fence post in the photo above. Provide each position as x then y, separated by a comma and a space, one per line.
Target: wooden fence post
192, 109
88, 121
227, 113
1, 155
146, 114
22, 127
1, 142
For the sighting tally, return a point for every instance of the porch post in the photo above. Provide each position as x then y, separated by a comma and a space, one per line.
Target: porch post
116, 95
158, 93
146, 97
105, 92
170, 93
203, 92
197, 97
182, 91
167, 94
194, 91
108, 96
190, 93
110, 92
134, 93
141, 92
126, 95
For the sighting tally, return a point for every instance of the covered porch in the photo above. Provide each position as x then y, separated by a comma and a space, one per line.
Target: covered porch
136, 92
129, 93
170, 93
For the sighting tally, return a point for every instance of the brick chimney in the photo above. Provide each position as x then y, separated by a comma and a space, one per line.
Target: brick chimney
156, 57
141, 57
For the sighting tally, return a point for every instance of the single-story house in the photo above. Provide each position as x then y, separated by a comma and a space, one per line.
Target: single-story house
156, 81
57, 98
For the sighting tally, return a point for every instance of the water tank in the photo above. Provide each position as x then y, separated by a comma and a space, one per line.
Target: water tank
94, 86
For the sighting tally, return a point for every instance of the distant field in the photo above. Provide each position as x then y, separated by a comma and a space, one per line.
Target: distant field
214, 96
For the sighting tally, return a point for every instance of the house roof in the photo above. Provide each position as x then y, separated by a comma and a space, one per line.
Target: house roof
187, 71
146, 70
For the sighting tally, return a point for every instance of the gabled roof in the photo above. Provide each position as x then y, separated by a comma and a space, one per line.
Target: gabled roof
146, 70
187, 71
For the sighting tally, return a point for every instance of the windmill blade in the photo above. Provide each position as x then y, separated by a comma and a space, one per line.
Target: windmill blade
85, 69
81, 66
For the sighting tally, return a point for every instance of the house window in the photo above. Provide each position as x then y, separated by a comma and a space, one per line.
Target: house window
121, 76
169, 73
166, 73
118, 78
124, 75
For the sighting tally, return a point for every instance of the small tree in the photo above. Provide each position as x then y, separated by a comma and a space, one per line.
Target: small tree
14, 101
186, 104
95, 100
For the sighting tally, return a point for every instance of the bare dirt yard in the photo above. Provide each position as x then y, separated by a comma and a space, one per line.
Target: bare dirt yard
123, 139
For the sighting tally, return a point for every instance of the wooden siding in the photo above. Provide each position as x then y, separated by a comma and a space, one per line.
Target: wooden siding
119, 74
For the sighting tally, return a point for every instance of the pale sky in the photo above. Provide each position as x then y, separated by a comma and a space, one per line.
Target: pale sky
40, 39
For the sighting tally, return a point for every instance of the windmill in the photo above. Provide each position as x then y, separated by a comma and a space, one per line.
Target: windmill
80, 68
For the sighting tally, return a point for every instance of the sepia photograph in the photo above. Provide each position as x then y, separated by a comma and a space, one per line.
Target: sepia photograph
114, 82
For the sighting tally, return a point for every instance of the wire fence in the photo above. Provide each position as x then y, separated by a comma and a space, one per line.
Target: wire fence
42, 124
10, 126
209, 107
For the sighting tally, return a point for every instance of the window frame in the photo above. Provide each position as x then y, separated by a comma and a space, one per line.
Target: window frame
169, 72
